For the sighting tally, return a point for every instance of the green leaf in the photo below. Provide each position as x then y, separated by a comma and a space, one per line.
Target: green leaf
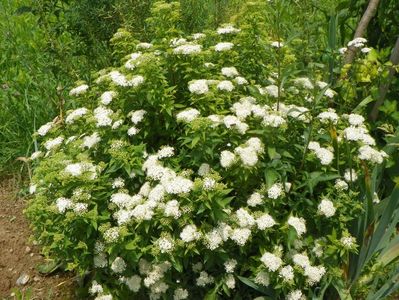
256, 287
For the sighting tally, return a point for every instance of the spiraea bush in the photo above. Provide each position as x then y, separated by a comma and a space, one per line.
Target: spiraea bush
182, 175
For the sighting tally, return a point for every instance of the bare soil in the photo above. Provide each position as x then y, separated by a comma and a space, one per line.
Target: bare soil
18, 255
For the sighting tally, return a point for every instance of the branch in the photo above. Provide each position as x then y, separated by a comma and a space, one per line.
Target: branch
361, 28
394, 59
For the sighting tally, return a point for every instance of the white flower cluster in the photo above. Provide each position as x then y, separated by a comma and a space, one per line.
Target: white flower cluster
102, 116
230, 72
91, 140
187, 49
119, 79
107, 97
223, 46
81, 89
326, 208
328, 116
198, 87
299, 224
325, 155
133, 61
53, 143
313, 273
44, 129
75, 114
271, 261
228, 29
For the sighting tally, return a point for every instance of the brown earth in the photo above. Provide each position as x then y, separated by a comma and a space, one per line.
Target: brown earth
18, 255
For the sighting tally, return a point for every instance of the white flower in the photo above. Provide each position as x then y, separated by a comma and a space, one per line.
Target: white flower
63, 204
244, 218
304, 82
119, 265
32, 189
213, 239
190, 234
230, 281
255, 199
180, 294
103, 297
372, 155
271, 261
111, 235
204, 279
240, 235
225, 231
357, 42
230, 265
355, 119
53, 143
187, 49
118, 183
165, 244
133, 283
144, 46
81, 89
342, 50
341, 185
240, 80
298, 224
295, 295
178, 42
137, 116
208, 184
230, 71
80, 208
228, 29
188, 115
262, 278
107, 97
133, 61
198, 87
365, 50
247, 155
44, 129
287, 273
225, 46
198, 36
265, 221
225, 85
36, 155
275, 191
314, 274
273, 120
91, 140
102, 116
301, 260
271, 90
326, 156
227, 159
277, 44
350, 175
171, 209
328, 116
348, 241
95, 288
76, 114
326, 208
204, 169
132, 131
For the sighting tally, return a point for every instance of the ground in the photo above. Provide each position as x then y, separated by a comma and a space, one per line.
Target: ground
18, 255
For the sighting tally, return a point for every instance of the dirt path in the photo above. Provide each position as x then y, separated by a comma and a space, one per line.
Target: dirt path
18, 256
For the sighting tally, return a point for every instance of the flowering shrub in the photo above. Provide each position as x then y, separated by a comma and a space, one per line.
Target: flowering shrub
179, 176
